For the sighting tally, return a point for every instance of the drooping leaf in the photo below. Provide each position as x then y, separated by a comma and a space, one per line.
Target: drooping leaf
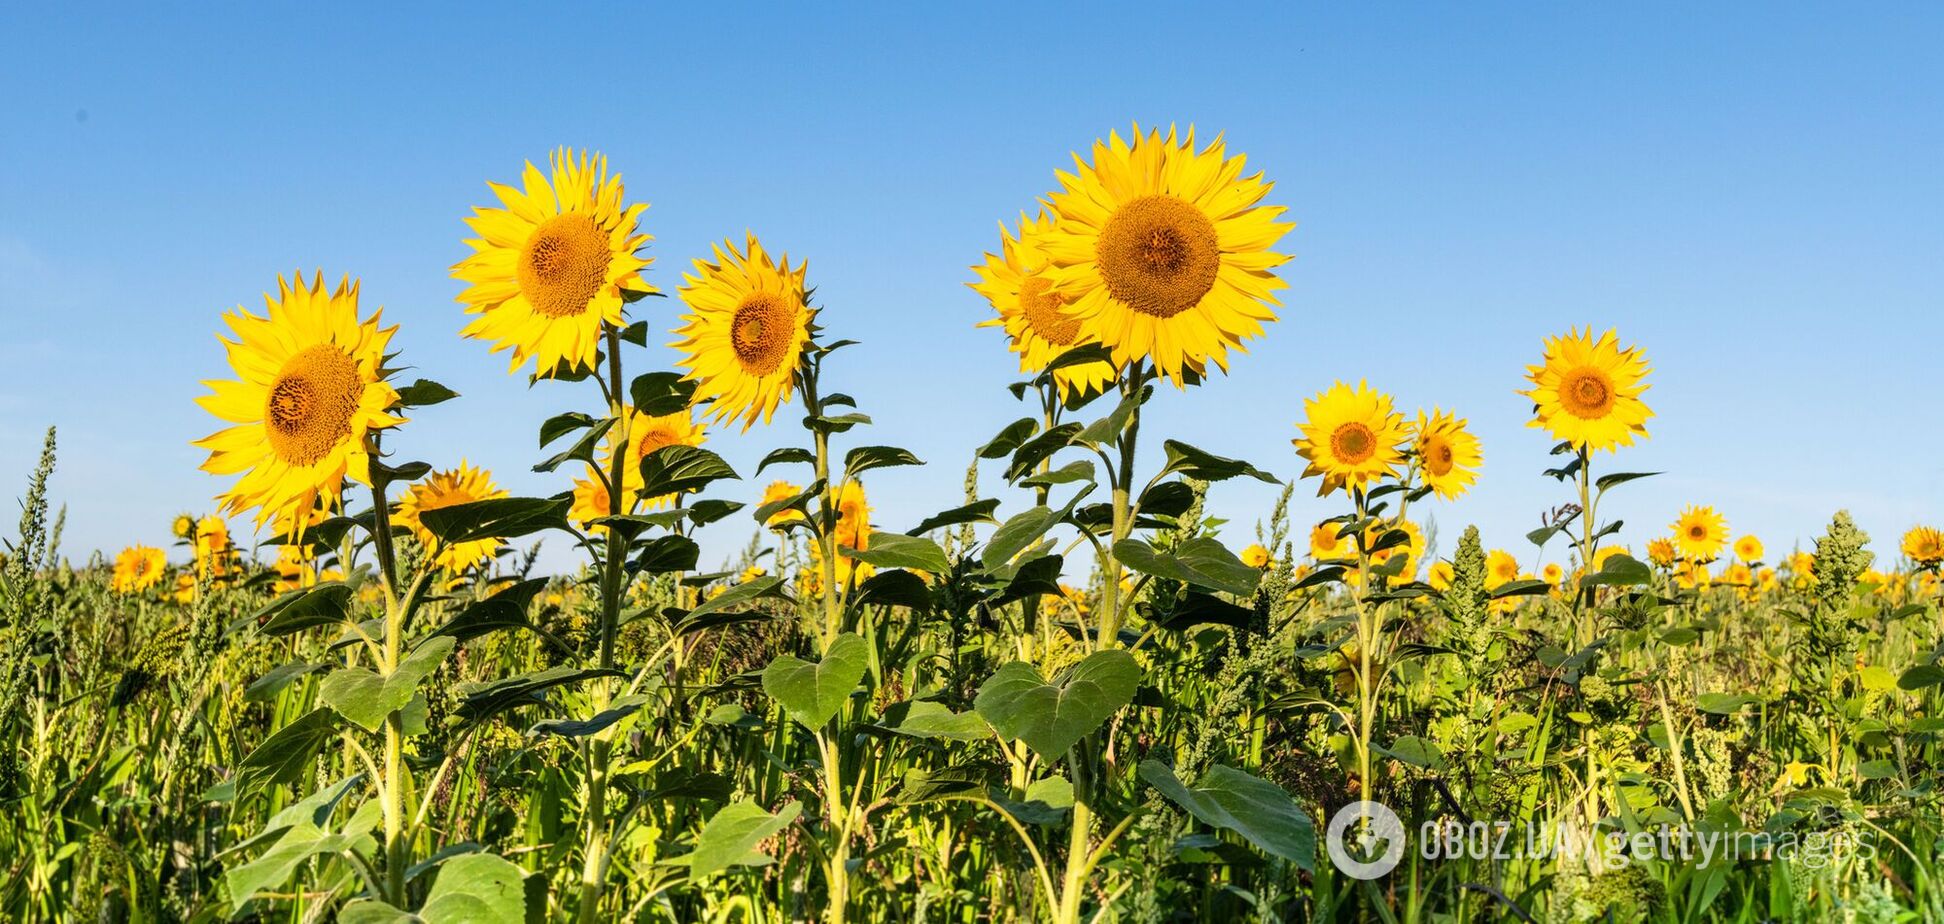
499, 517
680, 469
1206, 466
285, 756
1052, 717
1202, 562
975, 512
1232, 800
864, 458
897, 550
731, 836
424, 393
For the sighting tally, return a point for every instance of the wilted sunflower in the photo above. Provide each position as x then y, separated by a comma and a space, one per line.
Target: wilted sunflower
1587, 392
312, 385
1164, 251
647, 433
1032, 312
553, 266
138, 568
1447, 453
1700, 533
747, 325
1324, 542
1351, 436
1748, 548
450, 488
1924, 545
778, 491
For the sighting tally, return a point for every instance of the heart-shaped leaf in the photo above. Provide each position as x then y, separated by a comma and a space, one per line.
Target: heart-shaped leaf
730, 838
365, 697
812, 692
1201, 562
897, 550
1256, 809
1052, 717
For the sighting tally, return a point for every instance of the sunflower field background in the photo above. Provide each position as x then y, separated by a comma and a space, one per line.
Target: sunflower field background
370, 679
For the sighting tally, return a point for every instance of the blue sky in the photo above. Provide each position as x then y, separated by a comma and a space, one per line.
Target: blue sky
1751, 193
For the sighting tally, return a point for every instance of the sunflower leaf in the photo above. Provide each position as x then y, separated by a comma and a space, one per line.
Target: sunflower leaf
498, 517
659, 394
680, 469
1206, 466
424, 393
864, 458
897, 550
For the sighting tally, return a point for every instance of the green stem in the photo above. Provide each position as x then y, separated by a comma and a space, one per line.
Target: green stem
599, 749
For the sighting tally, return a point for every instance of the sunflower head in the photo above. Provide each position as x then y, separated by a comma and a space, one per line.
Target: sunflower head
1700, 533
183, 526
450, 488
553, 266
748, 324
1662, 552
1324, 542
213, 548
1164, 250
1033, 312
138, 568
1440, 576
1500, 567
1924, 545
777, 491
648, 433
591, 499
1255, 556
1748, 548
1447, 453
1351, 437
1587, 391
310, 387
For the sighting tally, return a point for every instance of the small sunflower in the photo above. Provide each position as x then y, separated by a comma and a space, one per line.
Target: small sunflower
1440, 576
1606, 553
462, 485
1411, 549
1447, 453
749, 321
138, 568
1748, 548
853, 517
555, 265
1736, 575
183, 526
1500, 567
1700, 533
1662, 552
1255, 556
311, 386
777, 491
1164, 252
1587, 392
1032, 311
1924, 545
1351, 437
1552, 573
1324, 542
213, 548
591, 500
648, 433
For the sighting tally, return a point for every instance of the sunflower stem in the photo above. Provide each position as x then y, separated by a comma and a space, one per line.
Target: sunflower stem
599, 750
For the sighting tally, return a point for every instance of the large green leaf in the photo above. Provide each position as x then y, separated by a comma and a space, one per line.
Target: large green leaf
678, 469
1018, 533
1202, 562
1619, 571
286, 755
1256, 809
475, 888
325, 604
730, 838
366, 697
481, 700
897, 550
1052, 717
495, 518
298, 844
1204, 466
864, 458
659, 394
812, 691
927, 719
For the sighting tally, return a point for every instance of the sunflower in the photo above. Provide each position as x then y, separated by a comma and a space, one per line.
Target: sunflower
1748, 549
1736, 575
591, 499
1700, 533
1447, 453
1500, 567
747, 326
555, 265
1255, 556
1924, 545
185, 588
780, 490
1693, 575
1351, 437
1411, 549
295, 570
311, 386
1587, 392
138, 568
1324, 542
462, 485
1164, 252
1662, 552
213, 548
1552, 573
1606, 553
1031, 311
1440, 576
183, 526
648, 433
853, 517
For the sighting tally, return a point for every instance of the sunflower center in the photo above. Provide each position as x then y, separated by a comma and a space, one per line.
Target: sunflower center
1159, 255
1697, 532
655, 438
1587, 393
1041, 306
1353, 442
564, 265
1437, 457
311, 403
760, 332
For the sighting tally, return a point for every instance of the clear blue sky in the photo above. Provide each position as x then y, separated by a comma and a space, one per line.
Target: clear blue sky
1751, 193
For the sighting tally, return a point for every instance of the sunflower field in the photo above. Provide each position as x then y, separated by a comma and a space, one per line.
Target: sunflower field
1078, 699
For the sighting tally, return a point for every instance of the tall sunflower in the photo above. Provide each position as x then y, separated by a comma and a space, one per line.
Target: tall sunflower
558, 262
450, 488
748, 323
1165, 251
1924, 545
1447, 453
138, 568
1587, 391
1351, 437
1700, 533
1033, 313
311, 385
647, 433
